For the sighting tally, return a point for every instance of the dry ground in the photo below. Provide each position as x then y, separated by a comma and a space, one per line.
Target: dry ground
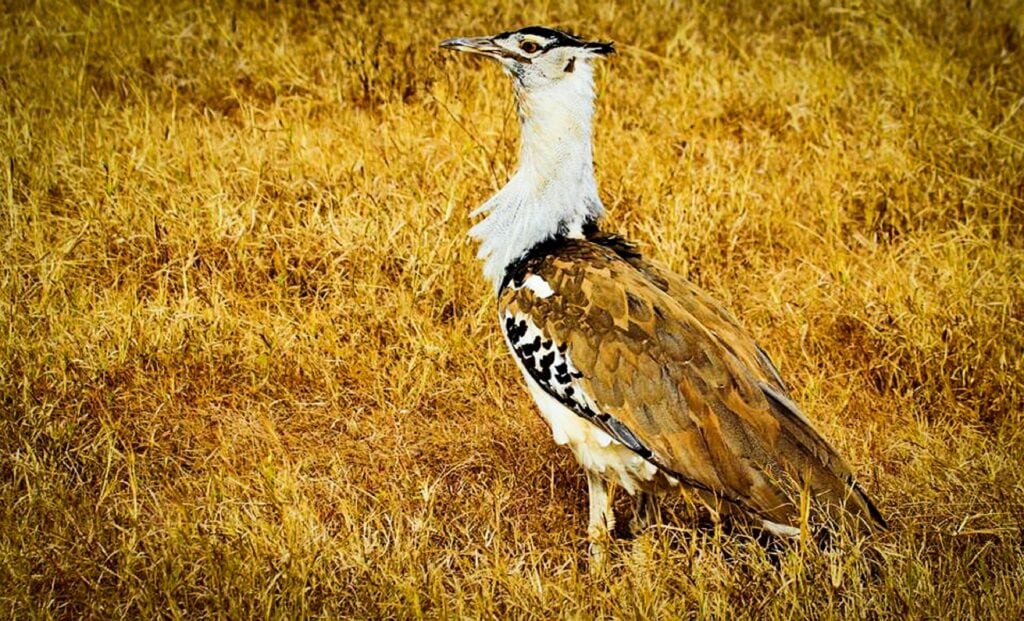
249, 368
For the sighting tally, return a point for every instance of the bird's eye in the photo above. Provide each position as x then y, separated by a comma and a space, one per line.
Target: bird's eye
529, 47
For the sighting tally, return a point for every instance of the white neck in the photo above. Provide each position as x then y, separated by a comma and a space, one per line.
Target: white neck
553, 191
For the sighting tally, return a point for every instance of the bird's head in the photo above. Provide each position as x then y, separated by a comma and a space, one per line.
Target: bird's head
537, 57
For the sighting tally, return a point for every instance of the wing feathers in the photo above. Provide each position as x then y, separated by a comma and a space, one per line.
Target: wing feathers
672, 376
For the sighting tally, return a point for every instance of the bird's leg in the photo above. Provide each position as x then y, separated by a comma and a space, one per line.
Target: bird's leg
602, 518
647, 513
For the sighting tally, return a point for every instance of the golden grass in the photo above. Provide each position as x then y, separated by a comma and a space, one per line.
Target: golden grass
249, 368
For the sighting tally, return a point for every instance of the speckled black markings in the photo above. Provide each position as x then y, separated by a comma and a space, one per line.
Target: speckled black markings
550, 367
548, 364
562, 374
515, 329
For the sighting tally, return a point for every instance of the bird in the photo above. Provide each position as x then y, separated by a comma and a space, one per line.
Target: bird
654, 386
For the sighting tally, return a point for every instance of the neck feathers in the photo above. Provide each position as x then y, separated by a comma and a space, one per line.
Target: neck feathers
553, 192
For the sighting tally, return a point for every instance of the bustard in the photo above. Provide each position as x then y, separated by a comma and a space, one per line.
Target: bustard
652, 384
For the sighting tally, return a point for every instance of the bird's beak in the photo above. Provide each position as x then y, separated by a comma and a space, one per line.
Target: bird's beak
484, 46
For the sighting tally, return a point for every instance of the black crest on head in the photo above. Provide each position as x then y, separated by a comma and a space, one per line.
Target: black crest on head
562, 39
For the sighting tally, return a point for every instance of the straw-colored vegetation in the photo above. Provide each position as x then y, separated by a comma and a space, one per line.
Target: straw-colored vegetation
249, 367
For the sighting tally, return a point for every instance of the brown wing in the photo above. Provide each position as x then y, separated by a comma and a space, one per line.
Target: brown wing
718, 321
670, 372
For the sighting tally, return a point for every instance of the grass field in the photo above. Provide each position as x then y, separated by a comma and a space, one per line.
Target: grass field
249, 367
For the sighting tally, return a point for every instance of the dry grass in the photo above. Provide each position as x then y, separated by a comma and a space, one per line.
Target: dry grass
248, 366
